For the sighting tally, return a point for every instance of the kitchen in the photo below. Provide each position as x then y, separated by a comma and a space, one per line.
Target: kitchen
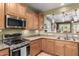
39, 29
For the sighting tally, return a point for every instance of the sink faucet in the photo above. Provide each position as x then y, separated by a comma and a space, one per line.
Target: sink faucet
73, 38
66, 38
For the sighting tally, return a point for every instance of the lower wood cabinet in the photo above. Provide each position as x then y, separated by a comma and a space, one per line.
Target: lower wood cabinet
71, 50
4, 52
50, 46
54, 47
59, 48
35, 47
44, 45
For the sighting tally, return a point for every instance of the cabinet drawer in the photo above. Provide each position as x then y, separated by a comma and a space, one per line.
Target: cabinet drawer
71, 43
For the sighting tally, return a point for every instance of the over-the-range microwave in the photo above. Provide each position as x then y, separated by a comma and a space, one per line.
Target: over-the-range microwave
13, 22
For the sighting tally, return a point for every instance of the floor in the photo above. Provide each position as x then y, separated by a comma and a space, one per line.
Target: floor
44, 54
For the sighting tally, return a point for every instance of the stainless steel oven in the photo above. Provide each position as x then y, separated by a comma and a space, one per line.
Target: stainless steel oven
18, 45
21, 51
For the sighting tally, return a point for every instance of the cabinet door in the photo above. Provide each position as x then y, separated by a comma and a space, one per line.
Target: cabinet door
21, 11
4, 52
50, 46
44, 45
11, 8
41, 21
2, 16
35, 47
35, 21
29, 21
59, 48
71, 50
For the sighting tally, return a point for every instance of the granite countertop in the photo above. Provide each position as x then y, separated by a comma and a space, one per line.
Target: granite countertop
49, 37
3, 46
37, 37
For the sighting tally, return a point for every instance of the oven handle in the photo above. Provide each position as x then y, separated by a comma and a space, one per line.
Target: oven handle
20, 47
15, 50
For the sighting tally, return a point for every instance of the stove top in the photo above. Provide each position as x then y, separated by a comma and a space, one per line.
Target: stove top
15, 40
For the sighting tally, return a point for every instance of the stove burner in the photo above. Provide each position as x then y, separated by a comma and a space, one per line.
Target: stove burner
14, 41
17, 41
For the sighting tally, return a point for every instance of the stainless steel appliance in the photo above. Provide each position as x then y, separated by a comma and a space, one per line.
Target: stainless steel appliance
14, 22
18, 45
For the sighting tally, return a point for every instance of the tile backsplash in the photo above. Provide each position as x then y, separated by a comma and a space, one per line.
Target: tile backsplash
24, 32
30, 32
9, 31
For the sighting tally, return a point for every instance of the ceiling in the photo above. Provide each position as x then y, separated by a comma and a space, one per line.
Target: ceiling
45, 6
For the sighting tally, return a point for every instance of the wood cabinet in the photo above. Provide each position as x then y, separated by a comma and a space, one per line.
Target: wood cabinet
35, 47
29, 20
41, 21
71, 50
16, 9
11, 8
35, 25
32, 20
44, 45
2, 16
59, 48
4, 52
55, 47
50, 46
21, 10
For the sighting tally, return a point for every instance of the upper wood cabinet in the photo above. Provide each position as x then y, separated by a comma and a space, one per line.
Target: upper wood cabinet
29, 20
32, 20
41, 21
35, 25
11, 8
21, 10
16, 9
2, 16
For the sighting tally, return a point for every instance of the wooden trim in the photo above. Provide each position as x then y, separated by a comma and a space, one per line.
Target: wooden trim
9, 52
38, 53
49, 53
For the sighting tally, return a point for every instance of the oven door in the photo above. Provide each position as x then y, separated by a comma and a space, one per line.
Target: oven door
25, 51
21, 51
16, 52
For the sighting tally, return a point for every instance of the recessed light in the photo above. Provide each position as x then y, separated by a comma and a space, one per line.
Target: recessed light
62, 4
